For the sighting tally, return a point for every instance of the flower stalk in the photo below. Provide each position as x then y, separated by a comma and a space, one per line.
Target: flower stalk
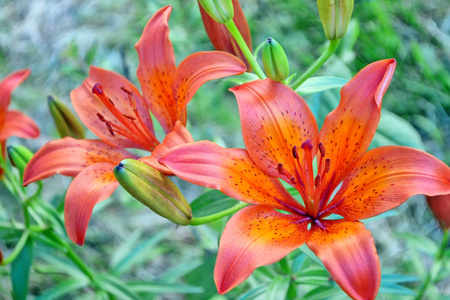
214, 217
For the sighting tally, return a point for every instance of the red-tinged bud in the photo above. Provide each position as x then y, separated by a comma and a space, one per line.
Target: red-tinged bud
221, 39
440, 206
220, 10
154, 190
66, 122
335, 16
275, 60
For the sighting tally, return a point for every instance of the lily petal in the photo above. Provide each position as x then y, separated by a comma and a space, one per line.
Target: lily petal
91, 186
157, 68
88, 106
18, 124
200, 67
385, 177
229, 170
220, 36
7, 86
257, 235
348, 252
179, 136
348, 130
274, 119
69, 156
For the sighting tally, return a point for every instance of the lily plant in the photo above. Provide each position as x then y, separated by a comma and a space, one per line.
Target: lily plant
116, 111
338, 180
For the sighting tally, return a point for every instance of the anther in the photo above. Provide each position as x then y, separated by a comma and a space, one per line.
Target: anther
280, 169
129, 117
126, 90
327, 165
97, 89
293, 181
317, 181
307, 144
111, 131
101, 117
322, 149
295, 152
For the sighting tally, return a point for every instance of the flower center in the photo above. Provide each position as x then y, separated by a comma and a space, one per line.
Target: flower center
130, 126
313, 190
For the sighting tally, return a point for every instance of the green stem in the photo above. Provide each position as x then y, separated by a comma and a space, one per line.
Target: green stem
19, 246
319, 62
74, 257
217, 216
231, 26
432, 274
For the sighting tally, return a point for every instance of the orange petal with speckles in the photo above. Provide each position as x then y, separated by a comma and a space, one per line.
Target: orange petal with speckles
228, 170
88, 105
91, 186
348, 252
179, 136
348, 130
200, 67
440, 206
7, 86
222, 39
255, 236
69, 157
157, 68
274, 119
385, 177
18, 124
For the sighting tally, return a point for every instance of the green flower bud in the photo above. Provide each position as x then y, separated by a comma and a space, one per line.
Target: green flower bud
66, 122
154, 190
220, 10
275, 60
335, 16
19, 157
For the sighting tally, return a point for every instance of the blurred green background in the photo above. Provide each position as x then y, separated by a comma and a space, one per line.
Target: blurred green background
59, 40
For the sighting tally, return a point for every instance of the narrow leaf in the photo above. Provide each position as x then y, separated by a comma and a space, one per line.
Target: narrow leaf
20, 271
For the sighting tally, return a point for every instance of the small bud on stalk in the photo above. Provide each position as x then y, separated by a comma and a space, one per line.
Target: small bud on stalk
154, 190
275, 60
66, 122
335, 16
220, 10
19, 156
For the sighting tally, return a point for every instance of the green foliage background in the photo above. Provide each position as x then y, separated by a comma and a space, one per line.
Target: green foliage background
59, 40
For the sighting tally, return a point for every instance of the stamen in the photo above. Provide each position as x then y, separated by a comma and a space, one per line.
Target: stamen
295, 152
307, 145
327, 165
318, 223
322, 149
97, 89
293, 181
129, 117
108, 124
101, 117
280, 169
317, 181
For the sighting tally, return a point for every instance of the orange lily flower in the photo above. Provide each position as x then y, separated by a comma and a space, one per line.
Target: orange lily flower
282, 139
14, 122
114, 109
440, 206
221, 38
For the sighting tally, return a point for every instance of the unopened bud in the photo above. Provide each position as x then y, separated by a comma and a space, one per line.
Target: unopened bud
275, 60
66, 122
154, 190
335, 16
19, 156
220, 10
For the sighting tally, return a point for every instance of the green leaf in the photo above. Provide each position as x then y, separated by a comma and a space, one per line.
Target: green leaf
253, 294
63, 288
139, 253
179, 270
393, 289
63, 266
163, 288
297, 262
393, 130
389, 213
278, 288
20, 271
318, 84
311, 255
398, 278
211, 202
116, 287
322, 292
420, 243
